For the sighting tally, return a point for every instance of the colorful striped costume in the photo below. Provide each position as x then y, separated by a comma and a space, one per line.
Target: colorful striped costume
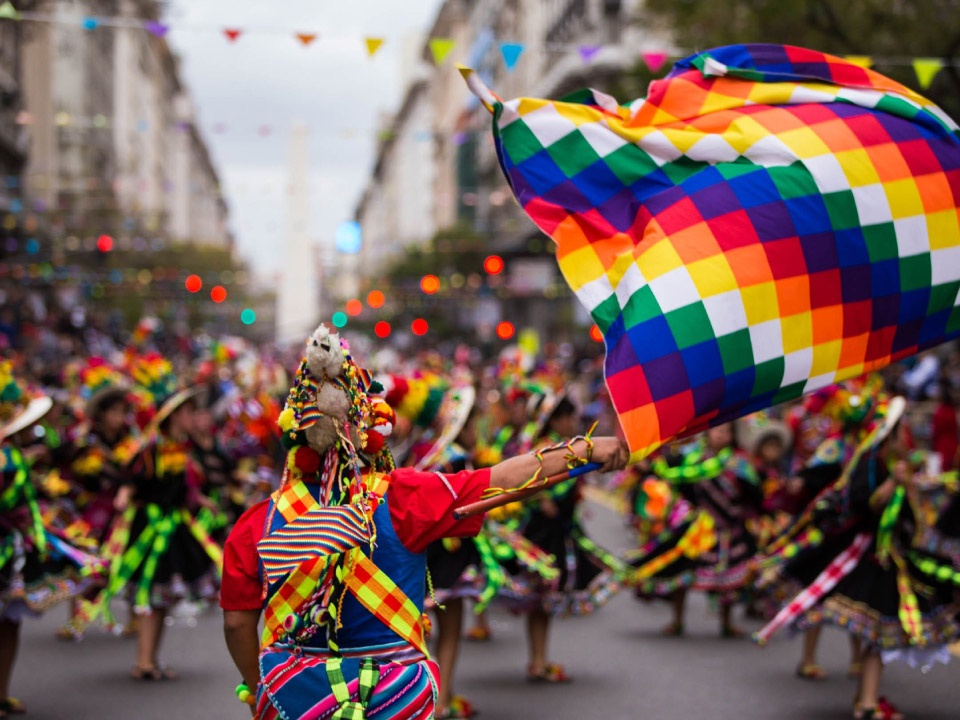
342, 638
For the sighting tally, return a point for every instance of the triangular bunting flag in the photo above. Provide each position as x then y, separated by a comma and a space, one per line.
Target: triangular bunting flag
232, 34
156, 28
440, 48
90, 23
373, 44
864, 61
654, 60
926, 70
306, 38
511, 54
588, 52
8, 11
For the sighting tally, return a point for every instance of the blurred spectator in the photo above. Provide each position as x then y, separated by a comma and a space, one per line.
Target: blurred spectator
920, 381
945, 429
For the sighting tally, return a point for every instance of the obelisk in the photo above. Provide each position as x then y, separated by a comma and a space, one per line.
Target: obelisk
298, 311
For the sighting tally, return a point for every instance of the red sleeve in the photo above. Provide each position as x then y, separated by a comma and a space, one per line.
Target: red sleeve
242, 586
421, 505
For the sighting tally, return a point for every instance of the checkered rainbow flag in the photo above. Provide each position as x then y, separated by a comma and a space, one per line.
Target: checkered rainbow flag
768, 221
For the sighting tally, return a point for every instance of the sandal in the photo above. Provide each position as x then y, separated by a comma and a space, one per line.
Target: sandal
885, 710
153, 673
811, 671
478, 634
146, 674
459, 707
674, 629
68, 633
12, 706
550, 673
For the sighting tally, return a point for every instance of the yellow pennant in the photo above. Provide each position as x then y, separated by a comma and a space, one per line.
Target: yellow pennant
926, 70
440, 48
864, 61
373, 44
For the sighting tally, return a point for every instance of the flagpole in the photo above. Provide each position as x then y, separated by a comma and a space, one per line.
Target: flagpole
505, 498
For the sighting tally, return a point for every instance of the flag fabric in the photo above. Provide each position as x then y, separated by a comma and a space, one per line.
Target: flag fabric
770, 220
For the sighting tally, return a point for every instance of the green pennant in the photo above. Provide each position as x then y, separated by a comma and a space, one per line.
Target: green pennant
440, 48
8, 11
926, 70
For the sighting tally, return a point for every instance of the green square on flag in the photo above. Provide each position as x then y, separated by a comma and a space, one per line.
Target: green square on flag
573, 154
736, 351
522, 139
690, 325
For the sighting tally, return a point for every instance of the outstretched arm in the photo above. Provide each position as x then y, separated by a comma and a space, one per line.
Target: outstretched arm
610, 452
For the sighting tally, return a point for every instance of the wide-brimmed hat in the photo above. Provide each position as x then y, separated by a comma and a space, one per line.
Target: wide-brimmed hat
101, 384
159, 386
453, 415
20, 407
756, 429
170, 404
543, 405
892, 414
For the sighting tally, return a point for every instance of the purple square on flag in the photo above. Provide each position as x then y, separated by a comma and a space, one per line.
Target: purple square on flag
664, 200
885, 310
819, 251
620, 210
620, 355
708, 396
666, 376
567, 195
772, 221
715, 200
855, 283
908, 335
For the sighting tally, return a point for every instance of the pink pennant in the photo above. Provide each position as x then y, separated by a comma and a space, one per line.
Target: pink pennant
232, 34
655, 60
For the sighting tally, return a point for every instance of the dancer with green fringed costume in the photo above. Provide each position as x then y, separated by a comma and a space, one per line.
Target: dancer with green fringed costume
706, 545
873, 556
588, 575
160, 553
38, 566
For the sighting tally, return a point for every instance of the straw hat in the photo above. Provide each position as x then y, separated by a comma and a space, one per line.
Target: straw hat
454, 411
755, 429
102, 385
19, 406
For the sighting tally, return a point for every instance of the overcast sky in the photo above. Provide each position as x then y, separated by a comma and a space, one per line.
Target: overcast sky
268, 79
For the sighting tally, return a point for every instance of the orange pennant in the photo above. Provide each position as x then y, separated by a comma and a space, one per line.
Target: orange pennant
306, 38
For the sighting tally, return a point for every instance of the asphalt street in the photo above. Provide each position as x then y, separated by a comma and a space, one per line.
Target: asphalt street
622, 668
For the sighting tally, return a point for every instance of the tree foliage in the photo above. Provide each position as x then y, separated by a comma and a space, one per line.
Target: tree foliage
897, 30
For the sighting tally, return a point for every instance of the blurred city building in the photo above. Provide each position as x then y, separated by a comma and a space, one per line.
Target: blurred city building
13, 137
114, 145
436, 165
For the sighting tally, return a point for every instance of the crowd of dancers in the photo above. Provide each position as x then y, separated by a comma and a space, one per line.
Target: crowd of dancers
123, 475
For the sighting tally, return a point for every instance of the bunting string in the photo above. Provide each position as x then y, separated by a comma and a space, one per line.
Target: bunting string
441, 49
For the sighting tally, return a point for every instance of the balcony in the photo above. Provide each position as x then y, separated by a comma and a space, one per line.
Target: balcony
569, 19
